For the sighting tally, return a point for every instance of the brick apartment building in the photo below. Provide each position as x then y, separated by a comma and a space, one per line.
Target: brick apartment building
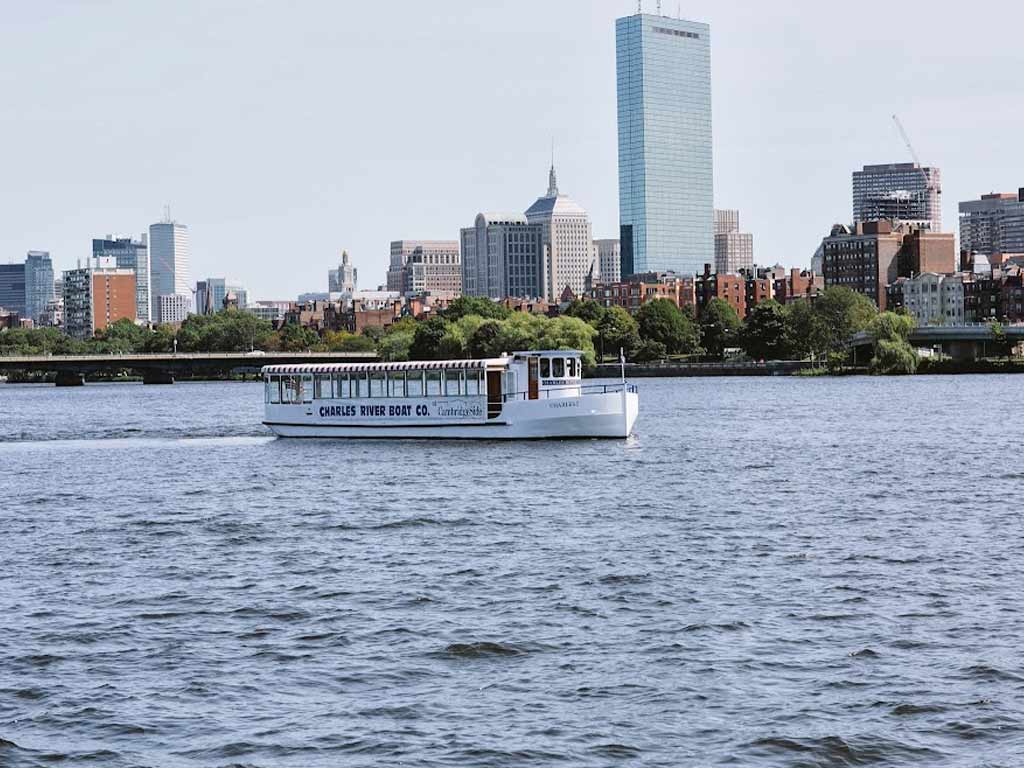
872, 255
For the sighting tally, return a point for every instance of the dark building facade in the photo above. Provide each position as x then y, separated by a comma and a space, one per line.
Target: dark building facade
12, 288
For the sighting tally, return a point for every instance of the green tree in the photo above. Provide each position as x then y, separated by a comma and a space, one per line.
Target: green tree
426, 340
452, 345
765, 335
893, 358
617, 330
1001, 343
891, 326
587, 310
343, 341
844, 312
123, 336
484, 339
719, 325
394, 347
295, 338
649, 352
660, 320
160, 339
475, 305
808, 334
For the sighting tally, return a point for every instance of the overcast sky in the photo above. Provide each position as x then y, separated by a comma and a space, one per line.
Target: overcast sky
282, 132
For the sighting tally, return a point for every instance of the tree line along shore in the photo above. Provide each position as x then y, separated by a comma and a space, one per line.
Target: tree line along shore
474, 327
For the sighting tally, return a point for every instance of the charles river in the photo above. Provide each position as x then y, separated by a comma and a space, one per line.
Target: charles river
771, 572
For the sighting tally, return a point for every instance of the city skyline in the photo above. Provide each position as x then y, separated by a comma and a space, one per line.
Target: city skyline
783, 96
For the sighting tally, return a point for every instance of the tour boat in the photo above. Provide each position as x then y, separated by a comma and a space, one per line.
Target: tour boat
523, 395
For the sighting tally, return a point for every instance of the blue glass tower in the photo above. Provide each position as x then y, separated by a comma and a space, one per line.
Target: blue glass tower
666, 188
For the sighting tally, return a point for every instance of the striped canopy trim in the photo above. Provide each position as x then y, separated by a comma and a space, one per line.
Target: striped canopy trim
418, 365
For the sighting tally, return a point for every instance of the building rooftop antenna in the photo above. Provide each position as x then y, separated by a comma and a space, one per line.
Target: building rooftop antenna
639, 7
167, 213
658, 7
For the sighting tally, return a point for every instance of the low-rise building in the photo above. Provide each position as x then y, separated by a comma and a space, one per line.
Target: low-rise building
930, 298
730, 288
637, 290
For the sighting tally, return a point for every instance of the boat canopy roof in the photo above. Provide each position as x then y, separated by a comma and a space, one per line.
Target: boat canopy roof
414, 365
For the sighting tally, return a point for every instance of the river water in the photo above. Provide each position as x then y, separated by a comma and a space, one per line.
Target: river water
771, 572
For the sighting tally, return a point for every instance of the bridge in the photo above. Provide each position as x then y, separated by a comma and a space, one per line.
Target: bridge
960, 342
162, 368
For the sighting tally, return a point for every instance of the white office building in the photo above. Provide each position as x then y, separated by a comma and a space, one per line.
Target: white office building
169, 266
174, 308
568, 239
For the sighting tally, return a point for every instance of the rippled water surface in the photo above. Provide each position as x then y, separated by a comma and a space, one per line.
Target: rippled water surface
772, 572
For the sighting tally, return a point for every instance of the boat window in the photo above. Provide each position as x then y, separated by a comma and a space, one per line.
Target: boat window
321, 387
291, 392
557, 368
545, 368
306, 389
396, 384
341, 385
572, 367
414, 384
358, 385
433, 379
377, 385
275, 389
472, 382
452, 381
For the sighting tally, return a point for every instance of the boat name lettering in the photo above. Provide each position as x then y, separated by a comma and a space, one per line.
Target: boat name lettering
566, 404
373, 410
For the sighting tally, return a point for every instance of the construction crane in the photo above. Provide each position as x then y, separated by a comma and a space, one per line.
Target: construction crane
906, 139
930, 184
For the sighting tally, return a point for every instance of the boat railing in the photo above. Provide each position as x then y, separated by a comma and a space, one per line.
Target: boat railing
576, 390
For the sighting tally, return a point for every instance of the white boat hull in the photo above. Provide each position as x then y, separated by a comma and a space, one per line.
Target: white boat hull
603, 415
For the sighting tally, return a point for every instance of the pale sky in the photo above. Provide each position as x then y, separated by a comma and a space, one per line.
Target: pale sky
282, 132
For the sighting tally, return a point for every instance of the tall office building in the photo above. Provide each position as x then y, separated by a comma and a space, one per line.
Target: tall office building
993, 224
666, 187
902, 193
133, 255
38, 284
734, 250
345, 278
168, 261
567, 238
12, 288
503, 256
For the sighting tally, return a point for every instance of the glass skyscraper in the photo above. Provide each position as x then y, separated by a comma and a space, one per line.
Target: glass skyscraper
666, 195
38, 284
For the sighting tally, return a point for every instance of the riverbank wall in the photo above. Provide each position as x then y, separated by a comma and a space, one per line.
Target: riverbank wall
670, 369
